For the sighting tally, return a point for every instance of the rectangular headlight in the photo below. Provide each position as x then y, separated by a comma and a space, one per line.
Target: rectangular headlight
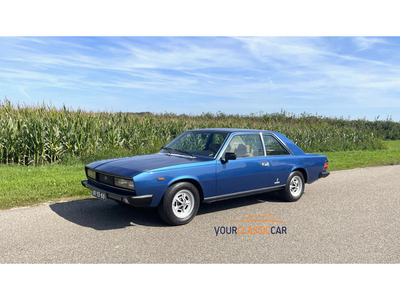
124, 183
91, 174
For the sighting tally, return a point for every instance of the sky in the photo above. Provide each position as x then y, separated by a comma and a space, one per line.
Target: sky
350, 77
335, 59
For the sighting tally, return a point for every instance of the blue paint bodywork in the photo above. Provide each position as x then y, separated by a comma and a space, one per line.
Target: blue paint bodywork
215, 178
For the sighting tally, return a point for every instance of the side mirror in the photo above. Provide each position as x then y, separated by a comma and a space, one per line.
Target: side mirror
228, 156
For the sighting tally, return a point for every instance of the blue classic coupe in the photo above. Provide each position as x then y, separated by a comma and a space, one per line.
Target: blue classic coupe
206, 165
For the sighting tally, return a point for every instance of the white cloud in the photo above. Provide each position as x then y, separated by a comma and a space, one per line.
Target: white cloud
263, 72
363, 43
22, 90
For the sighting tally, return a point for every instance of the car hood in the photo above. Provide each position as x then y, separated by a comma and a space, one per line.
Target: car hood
131, 166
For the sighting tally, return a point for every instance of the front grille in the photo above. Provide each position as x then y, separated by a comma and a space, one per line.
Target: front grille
107, 179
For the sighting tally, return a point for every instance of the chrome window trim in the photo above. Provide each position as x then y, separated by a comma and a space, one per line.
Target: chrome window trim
263, 145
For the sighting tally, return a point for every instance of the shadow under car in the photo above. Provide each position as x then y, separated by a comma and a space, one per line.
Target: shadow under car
109, 215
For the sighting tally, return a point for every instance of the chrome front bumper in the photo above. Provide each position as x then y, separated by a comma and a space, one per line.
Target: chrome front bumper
119, 196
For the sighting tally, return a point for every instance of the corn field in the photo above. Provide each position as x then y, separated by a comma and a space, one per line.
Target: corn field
42, 134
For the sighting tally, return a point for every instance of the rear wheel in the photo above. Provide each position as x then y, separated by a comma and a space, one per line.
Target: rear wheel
294, 188
180, 203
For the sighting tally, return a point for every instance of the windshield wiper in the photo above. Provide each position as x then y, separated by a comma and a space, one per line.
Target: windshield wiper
179, 150
184, 151
167, 148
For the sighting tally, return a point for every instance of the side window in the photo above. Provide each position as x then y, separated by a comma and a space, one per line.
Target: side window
248, 145
273, 147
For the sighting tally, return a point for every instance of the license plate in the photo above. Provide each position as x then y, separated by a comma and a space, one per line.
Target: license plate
99, 195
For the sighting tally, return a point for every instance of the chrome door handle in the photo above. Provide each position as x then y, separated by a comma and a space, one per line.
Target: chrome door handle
265, 164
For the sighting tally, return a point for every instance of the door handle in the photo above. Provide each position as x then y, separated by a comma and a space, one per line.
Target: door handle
265, 164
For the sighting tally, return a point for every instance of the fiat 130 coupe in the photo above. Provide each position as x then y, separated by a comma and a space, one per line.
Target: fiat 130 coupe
206, 165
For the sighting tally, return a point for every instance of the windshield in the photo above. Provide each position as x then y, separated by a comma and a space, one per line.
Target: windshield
196, 143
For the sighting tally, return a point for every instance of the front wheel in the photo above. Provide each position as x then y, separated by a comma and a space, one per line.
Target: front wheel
294, 188
180, 204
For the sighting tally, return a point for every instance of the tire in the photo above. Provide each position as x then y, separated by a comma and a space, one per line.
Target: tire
294, 188
180, 203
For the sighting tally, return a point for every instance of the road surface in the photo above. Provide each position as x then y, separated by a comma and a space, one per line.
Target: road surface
350, 217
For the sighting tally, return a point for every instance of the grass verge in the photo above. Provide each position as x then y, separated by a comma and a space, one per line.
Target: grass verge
343, 160
22, 186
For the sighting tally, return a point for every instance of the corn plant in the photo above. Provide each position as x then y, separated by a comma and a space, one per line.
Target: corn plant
42, 134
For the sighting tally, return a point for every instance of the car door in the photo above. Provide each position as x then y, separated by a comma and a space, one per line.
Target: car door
280, 161
250, 169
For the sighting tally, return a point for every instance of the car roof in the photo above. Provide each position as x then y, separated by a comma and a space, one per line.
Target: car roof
292, 146
231, 130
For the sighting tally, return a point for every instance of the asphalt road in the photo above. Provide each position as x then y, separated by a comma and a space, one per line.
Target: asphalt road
350, 217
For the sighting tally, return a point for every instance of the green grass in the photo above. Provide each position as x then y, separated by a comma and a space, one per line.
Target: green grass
342, 160
22, 186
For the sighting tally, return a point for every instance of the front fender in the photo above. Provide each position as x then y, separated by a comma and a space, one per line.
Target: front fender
158, 185
184, 178
156, 182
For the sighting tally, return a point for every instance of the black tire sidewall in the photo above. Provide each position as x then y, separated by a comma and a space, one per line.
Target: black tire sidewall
165, 207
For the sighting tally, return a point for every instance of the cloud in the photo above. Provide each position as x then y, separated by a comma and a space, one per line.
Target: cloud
363, 43
183, 54
22, 90
249, 73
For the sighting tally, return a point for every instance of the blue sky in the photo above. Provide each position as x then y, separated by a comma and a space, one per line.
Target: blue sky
352, 77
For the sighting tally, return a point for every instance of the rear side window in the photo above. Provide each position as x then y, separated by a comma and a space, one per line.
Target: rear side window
273, 147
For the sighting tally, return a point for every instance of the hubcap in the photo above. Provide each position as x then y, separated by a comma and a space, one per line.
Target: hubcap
296, 186
182, 204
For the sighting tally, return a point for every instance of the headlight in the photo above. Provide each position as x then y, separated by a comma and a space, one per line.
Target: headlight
91, 174
124, 183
